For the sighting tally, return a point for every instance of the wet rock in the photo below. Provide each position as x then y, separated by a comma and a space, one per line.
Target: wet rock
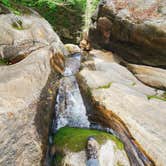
129, 107
136, 30
27, 88
72, 150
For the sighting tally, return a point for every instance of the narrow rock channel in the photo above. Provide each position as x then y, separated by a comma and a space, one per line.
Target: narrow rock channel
70, 111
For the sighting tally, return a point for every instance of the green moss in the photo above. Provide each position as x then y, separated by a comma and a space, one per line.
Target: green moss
74, 139
105, 86
163, 97
3, 62
119, 164
133, 84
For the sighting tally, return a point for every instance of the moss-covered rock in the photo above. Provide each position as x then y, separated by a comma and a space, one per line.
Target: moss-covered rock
74, 139
70, 146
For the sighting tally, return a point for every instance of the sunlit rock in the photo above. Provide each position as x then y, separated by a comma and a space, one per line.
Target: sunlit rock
136, 30
27, 88
130, 108
151, 76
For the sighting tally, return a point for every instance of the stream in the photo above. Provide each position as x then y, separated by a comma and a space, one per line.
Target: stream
70, 109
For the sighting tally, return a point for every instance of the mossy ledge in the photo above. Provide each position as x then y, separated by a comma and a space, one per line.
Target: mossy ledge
74, 139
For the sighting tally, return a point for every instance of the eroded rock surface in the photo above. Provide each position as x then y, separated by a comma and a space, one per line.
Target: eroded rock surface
27, 88
123, 104
135, 29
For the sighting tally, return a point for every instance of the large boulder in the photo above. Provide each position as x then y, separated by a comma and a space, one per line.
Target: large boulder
134, 29
133, 110
27, 88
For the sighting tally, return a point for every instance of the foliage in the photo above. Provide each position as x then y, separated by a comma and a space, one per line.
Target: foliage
66, 16
6, 2
94, 4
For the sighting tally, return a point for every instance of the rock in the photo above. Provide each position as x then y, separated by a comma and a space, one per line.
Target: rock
85, 45
71, 143
27, 88
136, 30
72, 48
151, 76
105, 56
21, 35
129, 107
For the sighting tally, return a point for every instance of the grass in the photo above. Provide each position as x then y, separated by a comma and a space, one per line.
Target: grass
74, 139
163, 97
105, 86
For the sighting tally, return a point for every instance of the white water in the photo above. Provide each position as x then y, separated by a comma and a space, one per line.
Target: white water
70, 109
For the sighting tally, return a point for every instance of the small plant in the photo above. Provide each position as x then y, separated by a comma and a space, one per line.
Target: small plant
133, 84
163, 98
105, 86
4, 62
17, 25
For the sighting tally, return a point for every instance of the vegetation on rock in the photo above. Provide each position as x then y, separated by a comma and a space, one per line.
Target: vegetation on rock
74, 139
3, 62
162, 97
105, 86
66, 16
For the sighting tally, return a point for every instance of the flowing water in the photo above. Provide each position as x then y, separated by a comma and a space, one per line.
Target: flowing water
70, 109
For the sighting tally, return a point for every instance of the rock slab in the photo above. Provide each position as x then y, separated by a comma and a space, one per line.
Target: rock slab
135, 29
122, 103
